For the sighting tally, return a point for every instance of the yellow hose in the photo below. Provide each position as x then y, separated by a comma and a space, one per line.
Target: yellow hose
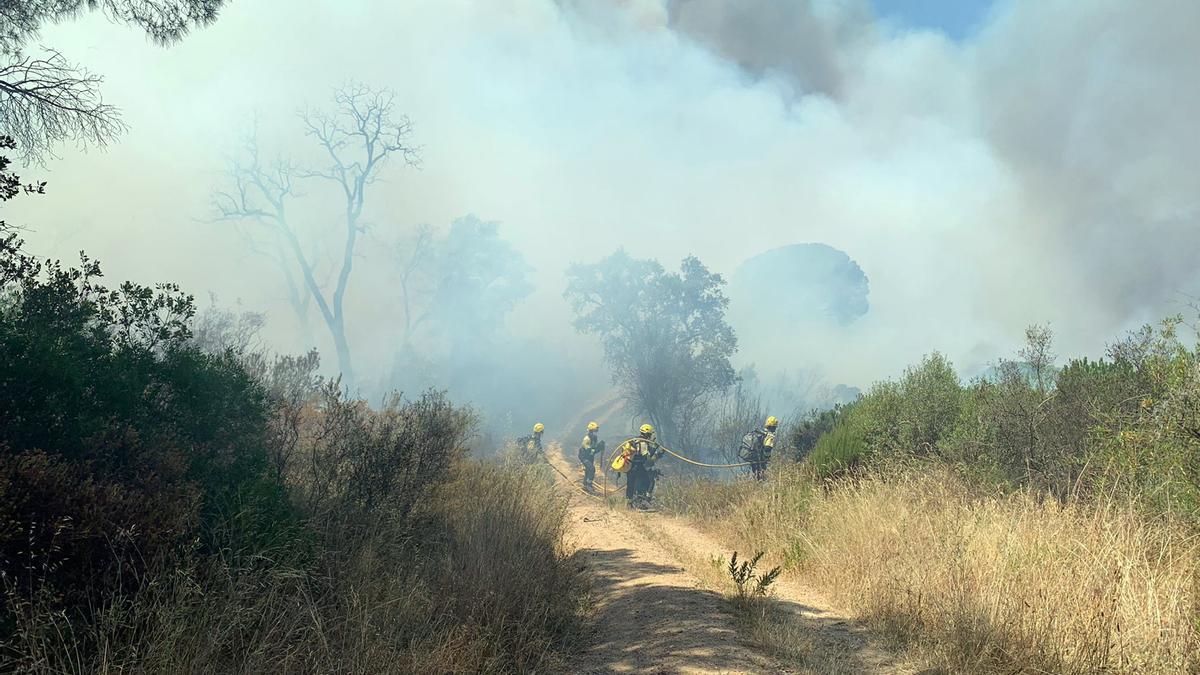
711, 466
679, 456
605, 491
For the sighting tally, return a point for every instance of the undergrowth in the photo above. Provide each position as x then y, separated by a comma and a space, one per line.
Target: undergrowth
172, 502
979, 580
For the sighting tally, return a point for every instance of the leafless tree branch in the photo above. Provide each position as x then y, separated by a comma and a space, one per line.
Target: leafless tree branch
358, 137
47, 100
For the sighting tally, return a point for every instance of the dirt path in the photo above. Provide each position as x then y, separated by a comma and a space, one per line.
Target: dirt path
656, 610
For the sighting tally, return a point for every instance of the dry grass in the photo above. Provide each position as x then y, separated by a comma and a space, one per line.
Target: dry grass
486, 589
752, 515
762, 621
983, 583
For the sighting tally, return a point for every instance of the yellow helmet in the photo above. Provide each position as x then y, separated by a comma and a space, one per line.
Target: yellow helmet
592, 426
647, 429
772, 422
539, 428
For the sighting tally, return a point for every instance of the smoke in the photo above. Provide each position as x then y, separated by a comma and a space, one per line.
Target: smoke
816, 46
1042, 169
1085, 113
1096, 120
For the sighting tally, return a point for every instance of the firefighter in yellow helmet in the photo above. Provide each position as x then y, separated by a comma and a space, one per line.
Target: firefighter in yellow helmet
639, 455
532, 444
588, 449
757, 446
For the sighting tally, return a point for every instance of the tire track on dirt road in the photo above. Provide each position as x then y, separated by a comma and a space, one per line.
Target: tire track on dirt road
656, 611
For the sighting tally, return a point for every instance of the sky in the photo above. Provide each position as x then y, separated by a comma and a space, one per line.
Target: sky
957, 19
988, 165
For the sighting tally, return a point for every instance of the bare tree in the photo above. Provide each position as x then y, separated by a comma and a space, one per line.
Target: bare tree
257, 206
414, 259
357, 138
45, 99
738, 411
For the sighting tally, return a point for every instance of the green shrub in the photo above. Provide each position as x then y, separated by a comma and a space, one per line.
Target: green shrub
1127, 422
1150, 446
930, 403
804, 434
839, 452
121, 446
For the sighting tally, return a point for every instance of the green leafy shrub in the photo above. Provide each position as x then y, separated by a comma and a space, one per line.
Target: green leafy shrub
838, 452
121, 445
804, 434
1150, 445
894, 419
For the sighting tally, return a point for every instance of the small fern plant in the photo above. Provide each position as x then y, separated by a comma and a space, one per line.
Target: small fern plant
749, 582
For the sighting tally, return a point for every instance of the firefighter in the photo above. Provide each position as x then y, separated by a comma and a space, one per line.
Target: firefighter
639, 455
757, 446
588, 449
532, 445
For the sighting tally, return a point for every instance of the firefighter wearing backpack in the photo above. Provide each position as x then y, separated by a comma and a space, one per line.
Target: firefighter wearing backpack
757, 446
636, 460
531, 446
588, 449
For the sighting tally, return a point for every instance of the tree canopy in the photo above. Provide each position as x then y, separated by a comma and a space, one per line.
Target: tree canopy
664, 334
46, 99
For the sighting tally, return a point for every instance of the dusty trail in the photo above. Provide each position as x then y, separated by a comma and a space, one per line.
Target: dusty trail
656, 610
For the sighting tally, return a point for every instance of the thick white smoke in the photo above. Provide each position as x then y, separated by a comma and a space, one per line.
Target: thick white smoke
1040, 171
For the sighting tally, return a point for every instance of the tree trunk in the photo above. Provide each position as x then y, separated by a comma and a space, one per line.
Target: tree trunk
342, 347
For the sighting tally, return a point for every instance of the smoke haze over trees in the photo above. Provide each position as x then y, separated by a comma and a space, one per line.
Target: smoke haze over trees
405, 216
1019, 172
358, 138
665, 337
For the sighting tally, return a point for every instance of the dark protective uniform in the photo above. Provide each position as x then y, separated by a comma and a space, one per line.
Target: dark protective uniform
588, 449
530, 446
640, 479
756, 448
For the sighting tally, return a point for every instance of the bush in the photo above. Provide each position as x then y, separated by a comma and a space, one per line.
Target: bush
356, 461
1150, 446
912, 417
176, 504
805, 433
838, 452
121, 446
491, 592
1127, 422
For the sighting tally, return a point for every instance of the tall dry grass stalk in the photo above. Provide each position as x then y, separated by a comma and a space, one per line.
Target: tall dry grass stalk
987, 583
486, 587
